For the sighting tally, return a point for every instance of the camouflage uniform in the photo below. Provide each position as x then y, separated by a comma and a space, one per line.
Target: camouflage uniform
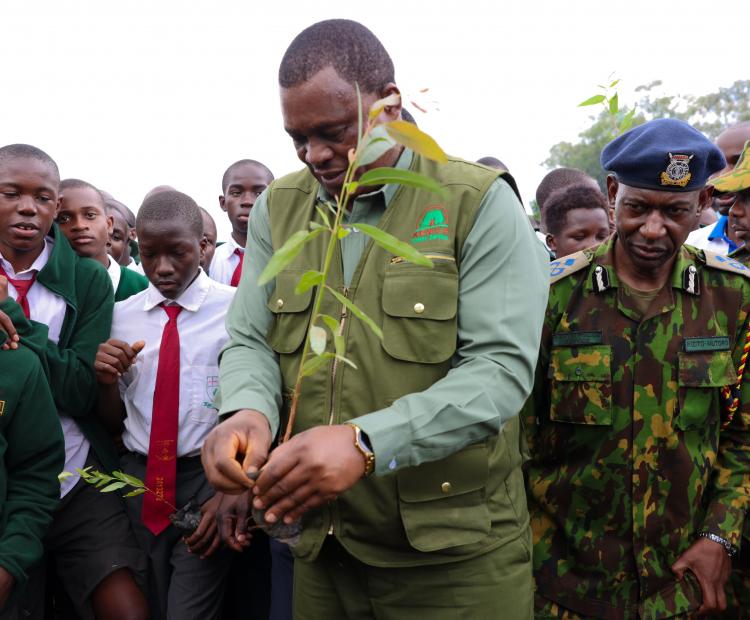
628, 459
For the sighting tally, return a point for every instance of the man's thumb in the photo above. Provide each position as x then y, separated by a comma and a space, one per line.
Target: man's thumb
679, 568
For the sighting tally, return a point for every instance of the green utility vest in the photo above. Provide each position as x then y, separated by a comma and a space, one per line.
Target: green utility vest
438, 512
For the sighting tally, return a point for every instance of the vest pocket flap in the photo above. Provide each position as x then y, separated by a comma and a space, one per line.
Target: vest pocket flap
462, 472
284, 299
589, 363
421, 294
707, 369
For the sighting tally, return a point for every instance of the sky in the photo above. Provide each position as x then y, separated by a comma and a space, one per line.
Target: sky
130, 95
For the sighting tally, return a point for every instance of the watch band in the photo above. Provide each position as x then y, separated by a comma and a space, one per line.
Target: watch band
728, 547
364, 450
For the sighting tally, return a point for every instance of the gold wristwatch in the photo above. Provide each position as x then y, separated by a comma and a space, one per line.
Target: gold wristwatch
364, 449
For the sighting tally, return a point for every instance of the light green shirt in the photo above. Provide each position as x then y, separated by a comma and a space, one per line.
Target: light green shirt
503, 288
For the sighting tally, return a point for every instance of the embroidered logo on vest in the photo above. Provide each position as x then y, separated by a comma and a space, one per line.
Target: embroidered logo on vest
432, 225
212, 386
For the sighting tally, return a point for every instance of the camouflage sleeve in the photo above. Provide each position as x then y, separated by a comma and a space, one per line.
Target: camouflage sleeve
729, 489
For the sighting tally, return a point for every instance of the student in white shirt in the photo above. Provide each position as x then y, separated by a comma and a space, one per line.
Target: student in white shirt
241, 185
164, 393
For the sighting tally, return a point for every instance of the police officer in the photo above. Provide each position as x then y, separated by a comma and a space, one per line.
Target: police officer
407, 470
639, 472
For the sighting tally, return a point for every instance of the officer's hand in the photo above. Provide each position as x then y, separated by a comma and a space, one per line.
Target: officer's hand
114, 358
7, 581
710, 564
236, 446
310, 469
8, 335
205, 540
232, 521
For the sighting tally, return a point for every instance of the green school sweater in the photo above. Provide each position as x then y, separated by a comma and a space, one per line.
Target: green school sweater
131, 282
32, 454
86, 288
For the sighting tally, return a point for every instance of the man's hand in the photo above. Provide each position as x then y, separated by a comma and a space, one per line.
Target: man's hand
710, 564
114, 358
6, 325
310, 469
235, 447
232, 521
7, 581
205, 539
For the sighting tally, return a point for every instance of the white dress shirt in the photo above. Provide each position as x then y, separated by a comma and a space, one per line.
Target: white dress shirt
49, 308
202, 335
712, 238
225, 261
114, 271
135, 266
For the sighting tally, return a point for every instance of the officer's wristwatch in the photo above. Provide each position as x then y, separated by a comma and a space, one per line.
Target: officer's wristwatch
731, 549
364, 449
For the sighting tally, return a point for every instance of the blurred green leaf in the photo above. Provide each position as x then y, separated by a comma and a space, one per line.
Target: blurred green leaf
614, 104
417, 140
627, 121
318, 339
339, 345
135, 492
357, 312
323, 215
287, 253
377, 107
311, 365
394, 246
383, 176
592, 100
346, 361
615, 83
378, 143
131, 480
115, 486
332, 323
307, 281
343, 232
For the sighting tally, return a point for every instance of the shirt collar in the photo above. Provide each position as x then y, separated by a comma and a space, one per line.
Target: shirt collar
403, 163
234, 245
719, 231
36, 266
191, 299
115, 271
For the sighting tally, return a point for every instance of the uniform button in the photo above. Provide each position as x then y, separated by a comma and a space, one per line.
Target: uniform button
419, 308
446, 487
279, 303
579, 371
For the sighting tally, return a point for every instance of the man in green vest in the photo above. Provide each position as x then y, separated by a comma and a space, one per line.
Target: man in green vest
405, 472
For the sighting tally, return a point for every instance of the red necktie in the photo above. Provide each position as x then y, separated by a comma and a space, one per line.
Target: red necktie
161, 463
238, 269
22, 289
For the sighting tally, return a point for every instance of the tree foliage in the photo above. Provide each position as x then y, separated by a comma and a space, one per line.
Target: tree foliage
709, 113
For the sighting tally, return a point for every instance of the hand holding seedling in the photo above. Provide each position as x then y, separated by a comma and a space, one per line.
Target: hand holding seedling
232, 520
114, 358
205, 540
8, 335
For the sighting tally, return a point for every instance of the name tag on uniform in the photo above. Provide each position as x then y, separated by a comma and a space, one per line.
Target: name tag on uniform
706, 343
574, 339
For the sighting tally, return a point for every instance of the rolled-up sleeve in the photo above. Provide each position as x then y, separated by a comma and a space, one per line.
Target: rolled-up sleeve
503, 289
249, 375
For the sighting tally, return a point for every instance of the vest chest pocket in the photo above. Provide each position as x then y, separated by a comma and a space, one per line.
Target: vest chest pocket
420, 314
290, 312
581, 386
700, 377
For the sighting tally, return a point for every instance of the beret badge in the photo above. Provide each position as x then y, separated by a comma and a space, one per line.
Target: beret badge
678, 171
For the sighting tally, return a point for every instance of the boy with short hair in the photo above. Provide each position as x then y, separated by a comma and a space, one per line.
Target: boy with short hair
164, 396
241, 185
575, 218
130, 247
209, 232
60, 307
85, 220
34, 455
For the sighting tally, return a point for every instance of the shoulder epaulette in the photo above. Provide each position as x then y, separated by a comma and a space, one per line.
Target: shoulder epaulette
562, 267
726, 263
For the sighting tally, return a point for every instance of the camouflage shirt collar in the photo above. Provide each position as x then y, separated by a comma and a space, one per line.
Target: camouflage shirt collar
602, 274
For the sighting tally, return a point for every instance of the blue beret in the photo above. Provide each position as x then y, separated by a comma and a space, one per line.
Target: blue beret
664, 154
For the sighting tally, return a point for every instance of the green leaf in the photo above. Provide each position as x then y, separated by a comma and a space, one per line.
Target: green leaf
339, 345
347, 361
592, 100
114, 487
394, 246
131, 480
343, 232
318, 339
323, 215
307, 281
417, 140
383, 176
332, 323
287, 253
377, 107
615, 83
379, 142
63, 475
627, 121
316, 226
614, 104
135, 492
357, 312
311, 365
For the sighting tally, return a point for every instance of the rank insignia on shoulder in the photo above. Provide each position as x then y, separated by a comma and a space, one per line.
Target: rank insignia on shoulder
566, 265
725, 263
690, 280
